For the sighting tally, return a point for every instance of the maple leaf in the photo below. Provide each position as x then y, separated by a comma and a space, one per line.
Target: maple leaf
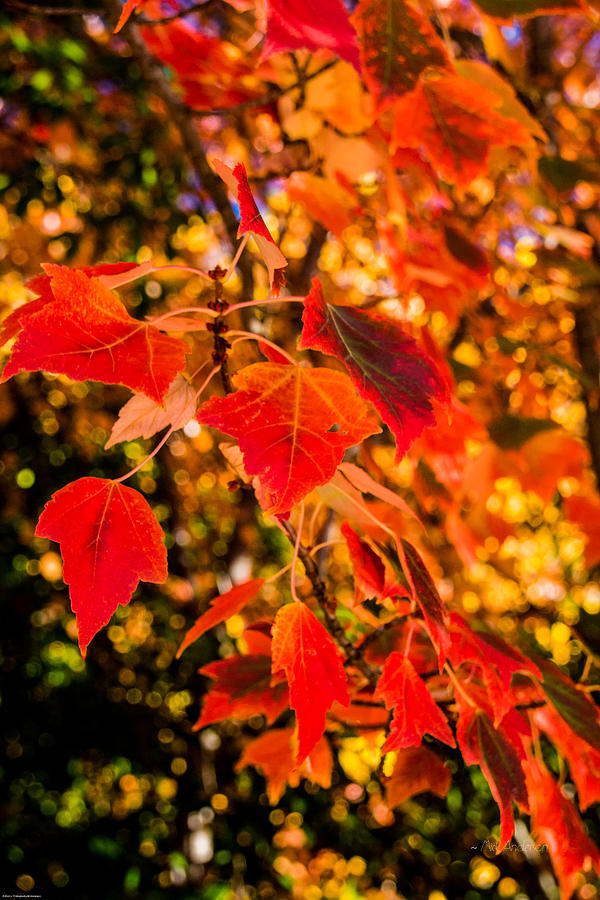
313, 25
385, 364
326, 201
583, 759
416, 769
143, 417
85, 332
41, 285
428, 598
273, 754
397, 43
571, 703
369, 570
495, 660
221, 608
555, 822
282, 416
482, 744
305, 651
455, 124
415, 712
109, 541
128, 8
253, 223
242, 689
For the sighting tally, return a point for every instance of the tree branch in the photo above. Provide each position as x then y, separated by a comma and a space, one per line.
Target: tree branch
352, 653
586, 340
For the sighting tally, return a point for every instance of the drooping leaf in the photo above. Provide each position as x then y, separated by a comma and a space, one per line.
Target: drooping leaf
273, 754
143, 417
483, 745
415, 711
109, 541
304, 650
583, 759
429, 600
397, 43
283, 418
85, 332
222, 607
312, 25
416, 769
386, 365
242, 689
455, 125
555, 823
252, 222
368, 567
361, 480
571, 703
492, 658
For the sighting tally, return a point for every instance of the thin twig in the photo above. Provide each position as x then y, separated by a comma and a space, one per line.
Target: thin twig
352, 653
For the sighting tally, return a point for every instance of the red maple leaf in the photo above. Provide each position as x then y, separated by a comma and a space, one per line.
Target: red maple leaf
273, 754
397, 43
454, 122
242, 689
386, 365
110, 540
416, 769
483, 745
313, 25
555, 822
427, 596
305, 651
415, 711
221, 608
584, 760
282, 416
252, 222
85, 332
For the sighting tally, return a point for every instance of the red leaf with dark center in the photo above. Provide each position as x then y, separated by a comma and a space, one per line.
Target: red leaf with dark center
386, 365
488, 747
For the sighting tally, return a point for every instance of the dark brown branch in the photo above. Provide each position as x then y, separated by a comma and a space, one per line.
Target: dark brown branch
352, 653
48, 10
181, 117
586, 341
196, 7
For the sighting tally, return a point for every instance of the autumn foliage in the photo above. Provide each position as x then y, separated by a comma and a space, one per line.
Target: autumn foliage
383, 444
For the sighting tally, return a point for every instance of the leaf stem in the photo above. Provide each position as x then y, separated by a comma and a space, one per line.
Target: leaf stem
295, 557
141, 465
248, 336
234, 262
266, 302
184, 309
207, 380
